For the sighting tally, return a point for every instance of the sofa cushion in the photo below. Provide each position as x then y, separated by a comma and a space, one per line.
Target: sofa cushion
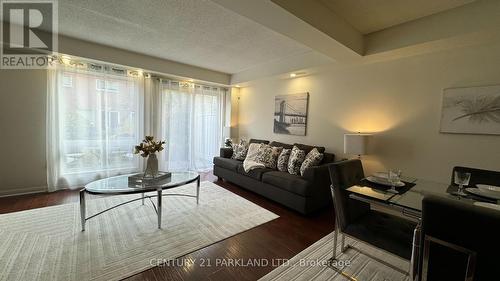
227, 163
308, 148
258, 141
283, 180
328, 158
255, 173
280, 144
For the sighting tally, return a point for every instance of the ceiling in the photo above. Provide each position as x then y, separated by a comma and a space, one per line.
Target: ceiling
368, 16
249, 39
195, 32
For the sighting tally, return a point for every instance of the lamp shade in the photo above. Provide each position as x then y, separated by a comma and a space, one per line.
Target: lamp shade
356, 144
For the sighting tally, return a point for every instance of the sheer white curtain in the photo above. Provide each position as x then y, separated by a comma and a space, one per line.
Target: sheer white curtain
190, 119
94, 120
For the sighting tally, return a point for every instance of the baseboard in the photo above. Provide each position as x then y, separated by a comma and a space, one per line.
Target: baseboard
22, 191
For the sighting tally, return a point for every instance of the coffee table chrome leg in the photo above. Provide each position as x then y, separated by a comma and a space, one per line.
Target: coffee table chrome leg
82, 208
159, 207
142, 198
198, 190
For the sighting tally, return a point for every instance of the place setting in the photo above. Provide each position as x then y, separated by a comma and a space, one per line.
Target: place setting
391, 181
484, 195
383, 185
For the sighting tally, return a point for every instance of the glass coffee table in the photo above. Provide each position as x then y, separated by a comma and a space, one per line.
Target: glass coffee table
120, 185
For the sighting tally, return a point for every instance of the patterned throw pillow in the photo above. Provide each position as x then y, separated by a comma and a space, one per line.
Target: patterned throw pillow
268, 155
297, 156
253, 151
240, 150
283, 160
250, 162
313, 158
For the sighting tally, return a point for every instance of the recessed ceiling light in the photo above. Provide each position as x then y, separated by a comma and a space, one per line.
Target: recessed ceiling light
237, 86
293, 75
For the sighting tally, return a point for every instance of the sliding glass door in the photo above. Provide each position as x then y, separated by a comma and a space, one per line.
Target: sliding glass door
95, 118
94, 121
191, 122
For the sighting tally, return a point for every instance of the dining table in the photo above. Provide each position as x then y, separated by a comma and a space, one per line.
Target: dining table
408, 203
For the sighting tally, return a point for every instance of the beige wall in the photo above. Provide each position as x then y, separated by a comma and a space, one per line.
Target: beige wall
22, 131
399, 101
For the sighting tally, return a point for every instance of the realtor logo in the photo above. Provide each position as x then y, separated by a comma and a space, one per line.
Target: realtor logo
29, 33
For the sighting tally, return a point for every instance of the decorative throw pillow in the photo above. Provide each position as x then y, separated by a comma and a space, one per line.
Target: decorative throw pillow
250, 162
283, 160
297, 156
253, 151
240, 150
268, 155
313, 158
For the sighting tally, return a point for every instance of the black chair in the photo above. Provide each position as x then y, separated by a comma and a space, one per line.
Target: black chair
358, 221
478, 176
460, 241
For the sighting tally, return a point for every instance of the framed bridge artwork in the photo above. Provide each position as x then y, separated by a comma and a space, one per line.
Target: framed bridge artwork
290, 114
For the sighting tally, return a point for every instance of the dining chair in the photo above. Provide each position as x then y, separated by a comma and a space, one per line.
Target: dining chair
460, 241
478, 176
358, 221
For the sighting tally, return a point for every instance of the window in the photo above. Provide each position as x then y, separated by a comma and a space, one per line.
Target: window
93, 134
107, 86
191, 121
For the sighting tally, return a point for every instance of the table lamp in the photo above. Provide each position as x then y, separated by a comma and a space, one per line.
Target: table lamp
356, 144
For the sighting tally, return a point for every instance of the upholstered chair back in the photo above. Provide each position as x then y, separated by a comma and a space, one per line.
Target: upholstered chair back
478, 176
457, 237
343, 175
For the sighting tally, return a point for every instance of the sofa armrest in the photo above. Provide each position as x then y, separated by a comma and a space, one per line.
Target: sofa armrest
320, 177
226, 152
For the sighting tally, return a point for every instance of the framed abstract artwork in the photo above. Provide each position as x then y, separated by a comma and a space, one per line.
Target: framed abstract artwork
474, 110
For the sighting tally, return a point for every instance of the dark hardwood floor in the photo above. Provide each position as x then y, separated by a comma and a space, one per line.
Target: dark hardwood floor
271, 242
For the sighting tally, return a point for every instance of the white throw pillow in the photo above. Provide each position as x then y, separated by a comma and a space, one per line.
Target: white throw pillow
250, 162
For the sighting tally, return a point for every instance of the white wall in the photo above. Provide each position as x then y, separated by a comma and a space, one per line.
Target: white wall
398, 100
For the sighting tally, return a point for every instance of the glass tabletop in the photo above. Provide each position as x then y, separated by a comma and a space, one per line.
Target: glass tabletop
411, 199
121, 184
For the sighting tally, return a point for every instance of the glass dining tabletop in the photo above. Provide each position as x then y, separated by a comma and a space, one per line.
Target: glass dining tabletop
410, 200
121, 184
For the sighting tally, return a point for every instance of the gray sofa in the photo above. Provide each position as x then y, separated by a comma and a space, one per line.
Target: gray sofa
304, 194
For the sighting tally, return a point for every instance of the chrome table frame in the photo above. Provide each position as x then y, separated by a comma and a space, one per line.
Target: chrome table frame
159, 195
415, 215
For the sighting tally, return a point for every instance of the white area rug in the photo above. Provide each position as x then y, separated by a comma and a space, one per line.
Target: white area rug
47, 243
311, 264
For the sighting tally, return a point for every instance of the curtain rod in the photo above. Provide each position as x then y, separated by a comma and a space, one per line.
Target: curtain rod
99, 66
177, 79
